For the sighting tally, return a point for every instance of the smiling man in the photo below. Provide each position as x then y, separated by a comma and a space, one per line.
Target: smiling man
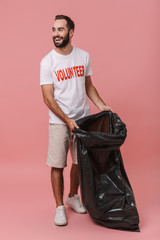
65, 81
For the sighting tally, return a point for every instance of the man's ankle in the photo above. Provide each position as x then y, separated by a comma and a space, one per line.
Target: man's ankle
71, 194
59, 204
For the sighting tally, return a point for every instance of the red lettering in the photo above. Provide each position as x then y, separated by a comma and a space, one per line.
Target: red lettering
82, 70
75, 73
57, 75
61, 74
67, 72
71, 72
64, 75
77, 68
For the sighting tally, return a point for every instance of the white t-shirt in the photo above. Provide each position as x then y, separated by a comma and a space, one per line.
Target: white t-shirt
67, 74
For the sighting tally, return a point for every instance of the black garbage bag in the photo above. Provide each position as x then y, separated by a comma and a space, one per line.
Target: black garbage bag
105, 189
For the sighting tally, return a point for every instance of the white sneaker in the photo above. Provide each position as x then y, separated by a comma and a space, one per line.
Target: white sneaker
75, 204
60, 217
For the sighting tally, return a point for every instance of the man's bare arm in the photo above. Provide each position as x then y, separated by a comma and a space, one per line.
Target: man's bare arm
47, 91
94, 96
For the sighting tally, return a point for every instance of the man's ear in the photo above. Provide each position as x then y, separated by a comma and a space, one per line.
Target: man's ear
71, 33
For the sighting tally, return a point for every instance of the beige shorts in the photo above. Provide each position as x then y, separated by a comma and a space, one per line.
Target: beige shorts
61, 139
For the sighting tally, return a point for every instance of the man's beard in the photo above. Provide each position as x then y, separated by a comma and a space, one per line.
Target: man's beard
64, 42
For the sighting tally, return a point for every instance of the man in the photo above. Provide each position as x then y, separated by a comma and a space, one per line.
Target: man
65, 80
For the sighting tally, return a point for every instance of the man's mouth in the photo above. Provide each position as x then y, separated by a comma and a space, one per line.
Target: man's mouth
57, 39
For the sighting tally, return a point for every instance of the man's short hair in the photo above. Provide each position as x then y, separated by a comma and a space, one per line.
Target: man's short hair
70, 23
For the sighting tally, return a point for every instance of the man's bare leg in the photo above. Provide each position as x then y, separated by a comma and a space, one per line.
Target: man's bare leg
57, 185
74, 201
74, 180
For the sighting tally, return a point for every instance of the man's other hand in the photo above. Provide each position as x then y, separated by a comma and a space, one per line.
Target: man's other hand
105, 108
71, 124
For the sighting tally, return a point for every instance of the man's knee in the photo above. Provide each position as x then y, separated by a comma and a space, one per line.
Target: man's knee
75, 166
54, 169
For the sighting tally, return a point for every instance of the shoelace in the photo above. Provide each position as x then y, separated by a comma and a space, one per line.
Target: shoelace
61, 212
78, 201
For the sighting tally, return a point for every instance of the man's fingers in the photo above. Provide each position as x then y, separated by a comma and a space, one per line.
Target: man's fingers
71, 124
76, 125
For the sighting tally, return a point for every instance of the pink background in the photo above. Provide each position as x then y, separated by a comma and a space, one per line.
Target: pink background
122, 37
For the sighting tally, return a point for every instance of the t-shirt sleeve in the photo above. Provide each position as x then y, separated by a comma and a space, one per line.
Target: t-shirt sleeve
89, 67
45, 73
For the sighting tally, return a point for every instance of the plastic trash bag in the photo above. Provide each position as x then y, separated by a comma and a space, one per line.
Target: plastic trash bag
105, 189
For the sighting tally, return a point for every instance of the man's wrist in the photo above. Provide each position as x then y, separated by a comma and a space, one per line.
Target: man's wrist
101, 106
66, 119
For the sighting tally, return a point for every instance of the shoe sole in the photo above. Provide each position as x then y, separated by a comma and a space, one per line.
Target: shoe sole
60, 224
74, 209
